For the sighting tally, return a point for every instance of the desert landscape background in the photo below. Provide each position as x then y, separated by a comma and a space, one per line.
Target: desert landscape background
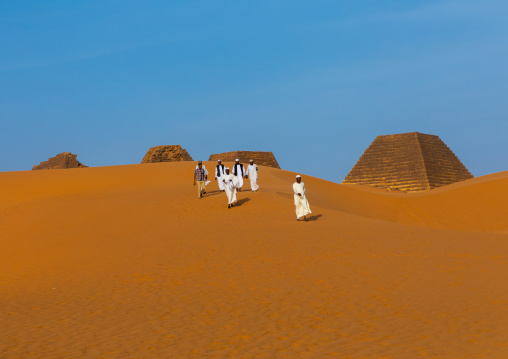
126, 262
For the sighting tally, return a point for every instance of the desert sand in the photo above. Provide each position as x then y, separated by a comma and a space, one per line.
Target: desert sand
126, 262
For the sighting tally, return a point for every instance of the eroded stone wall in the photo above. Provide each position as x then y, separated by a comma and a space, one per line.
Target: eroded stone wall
260, 158
60, 161
169, 153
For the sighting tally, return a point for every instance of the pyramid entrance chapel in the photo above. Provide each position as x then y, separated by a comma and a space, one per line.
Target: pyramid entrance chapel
408, 162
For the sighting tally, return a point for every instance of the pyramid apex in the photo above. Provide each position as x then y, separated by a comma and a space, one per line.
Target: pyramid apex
407, 134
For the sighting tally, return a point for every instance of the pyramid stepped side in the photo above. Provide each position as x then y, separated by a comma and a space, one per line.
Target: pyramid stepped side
392, 161
166, 153
186, 156
442, 165
60, 161
259, 157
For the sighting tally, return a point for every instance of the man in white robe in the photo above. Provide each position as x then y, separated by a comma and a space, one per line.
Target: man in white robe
252, 174
301, 203
220, 171
239, 173
229, 181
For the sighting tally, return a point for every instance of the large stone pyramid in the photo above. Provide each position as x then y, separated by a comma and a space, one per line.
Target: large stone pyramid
259, 157
408, 162
166, 153
60, 161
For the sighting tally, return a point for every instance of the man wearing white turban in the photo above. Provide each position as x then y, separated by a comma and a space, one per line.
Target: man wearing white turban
239, 172
252, 174
301, 203
229, 181
220, 171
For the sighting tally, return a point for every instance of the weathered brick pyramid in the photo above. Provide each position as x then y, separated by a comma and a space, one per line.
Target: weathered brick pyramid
62, 160
260, 158
408, 162
170, 153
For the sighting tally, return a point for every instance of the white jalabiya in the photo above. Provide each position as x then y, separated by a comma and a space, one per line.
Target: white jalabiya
222, 171
252, 172
301, 203
230, 187
239, 177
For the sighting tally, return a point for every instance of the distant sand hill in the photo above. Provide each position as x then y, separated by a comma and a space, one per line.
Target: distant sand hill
126, 262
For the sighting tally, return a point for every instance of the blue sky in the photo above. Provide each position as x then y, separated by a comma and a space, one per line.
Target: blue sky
313, 81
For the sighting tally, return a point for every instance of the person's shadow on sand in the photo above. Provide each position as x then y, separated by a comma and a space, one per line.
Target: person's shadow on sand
242, 201
314, 218
212, 193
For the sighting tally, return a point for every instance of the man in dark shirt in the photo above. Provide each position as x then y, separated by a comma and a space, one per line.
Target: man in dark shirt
201, 177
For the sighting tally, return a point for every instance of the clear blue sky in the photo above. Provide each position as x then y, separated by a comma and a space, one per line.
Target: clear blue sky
313, 81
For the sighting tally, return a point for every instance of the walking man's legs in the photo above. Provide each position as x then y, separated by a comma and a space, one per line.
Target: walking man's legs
201, 188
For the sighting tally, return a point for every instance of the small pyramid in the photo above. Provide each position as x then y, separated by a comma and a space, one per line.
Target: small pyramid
166, 153
60, 161
260, 158
408, 162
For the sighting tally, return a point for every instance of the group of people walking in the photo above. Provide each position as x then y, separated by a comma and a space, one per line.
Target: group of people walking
231, 182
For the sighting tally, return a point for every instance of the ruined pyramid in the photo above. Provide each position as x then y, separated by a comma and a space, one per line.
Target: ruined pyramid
166, 153
60, 161
408, 162
260, 158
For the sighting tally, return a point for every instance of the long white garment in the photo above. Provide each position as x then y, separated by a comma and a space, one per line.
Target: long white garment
230, 187
220, 171
252, 172
239, 175
301, 203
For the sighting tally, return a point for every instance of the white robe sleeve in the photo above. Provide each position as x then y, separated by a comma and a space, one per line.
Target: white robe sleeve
295, 188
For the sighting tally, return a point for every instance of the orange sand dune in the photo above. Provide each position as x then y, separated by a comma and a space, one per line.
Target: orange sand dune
126, 262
